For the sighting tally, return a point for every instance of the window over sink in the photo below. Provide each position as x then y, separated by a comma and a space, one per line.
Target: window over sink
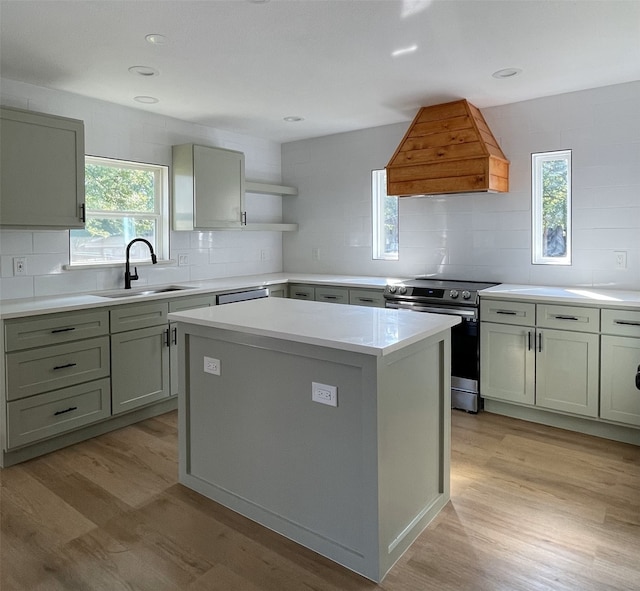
124, 200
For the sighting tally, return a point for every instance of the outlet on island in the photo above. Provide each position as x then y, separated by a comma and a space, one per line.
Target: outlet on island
212, 366
324, 394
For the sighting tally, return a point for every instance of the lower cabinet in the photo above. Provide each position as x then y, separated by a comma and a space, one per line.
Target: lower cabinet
278, 291
619, 392
139, 367
523, 360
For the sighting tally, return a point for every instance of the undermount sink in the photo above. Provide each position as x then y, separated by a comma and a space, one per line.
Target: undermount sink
129, 293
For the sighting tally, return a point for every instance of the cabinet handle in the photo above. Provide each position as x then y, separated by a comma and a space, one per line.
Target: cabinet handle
638, 378
529, 341
61, 412
243, 218
166, 338
301, 294
330, 297
507, 312
539, 342
83, 213
175, 335
561, 317
627, 322
65, 366
365, 299
63, 329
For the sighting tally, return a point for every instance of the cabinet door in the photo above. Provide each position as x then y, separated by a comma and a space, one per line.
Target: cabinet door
139, 367
333, 295
507, 362
619, 396
278, 291
567, 371
208, 187
366, 297
302, 292
42, 163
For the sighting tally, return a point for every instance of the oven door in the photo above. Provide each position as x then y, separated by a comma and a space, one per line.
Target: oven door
465, 358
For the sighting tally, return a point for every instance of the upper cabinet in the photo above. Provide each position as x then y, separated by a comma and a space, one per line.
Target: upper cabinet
42, 164
208, 188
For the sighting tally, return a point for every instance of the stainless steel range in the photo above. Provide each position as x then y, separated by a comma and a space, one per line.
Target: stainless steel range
450, 296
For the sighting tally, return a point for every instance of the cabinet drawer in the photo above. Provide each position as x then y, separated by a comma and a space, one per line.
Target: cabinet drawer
54, 413
568, 318
302, 292
625, 323
49, 329
364, 297
137, 316
521, 313
191, 303
334, 295
50, 368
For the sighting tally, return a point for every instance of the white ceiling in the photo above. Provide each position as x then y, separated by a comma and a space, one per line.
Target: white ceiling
244, 65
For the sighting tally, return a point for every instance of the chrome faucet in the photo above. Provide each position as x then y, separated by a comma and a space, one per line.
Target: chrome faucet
128, 277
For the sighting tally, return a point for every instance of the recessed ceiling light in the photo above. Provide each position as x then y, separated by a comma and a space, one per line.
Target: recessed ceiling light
144, 71
507, 73
156, 39
147, 100
404, 50
293, 119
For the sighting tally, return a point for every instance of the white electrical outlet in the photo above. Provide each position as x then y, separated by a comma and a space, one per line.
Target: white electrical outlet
324, 394
212, 366
183, 260
19, 266
264, 255
315, 254
621, 259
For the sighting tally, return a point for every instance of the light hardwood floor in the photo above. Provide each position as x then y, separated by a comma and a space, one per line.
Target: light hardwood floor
533, 508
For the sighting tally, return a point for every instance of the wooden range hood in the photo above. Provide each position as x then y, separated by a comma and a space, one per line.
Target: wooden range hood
448, 149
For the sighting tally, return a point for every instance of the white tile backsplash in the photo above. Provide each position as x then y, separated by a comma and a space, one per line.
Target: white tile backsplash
131, 134
481, 236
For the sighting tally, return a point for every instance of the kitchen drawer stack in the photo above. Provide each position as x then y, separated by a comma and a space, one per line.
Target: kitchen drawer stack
57, 374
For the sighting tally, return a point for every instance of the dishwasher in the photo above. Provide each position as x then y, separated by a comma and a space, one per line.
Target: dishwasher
242, 296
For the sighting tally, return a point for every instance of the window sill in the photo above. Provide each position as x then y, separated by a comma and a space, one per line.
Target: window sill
83, 267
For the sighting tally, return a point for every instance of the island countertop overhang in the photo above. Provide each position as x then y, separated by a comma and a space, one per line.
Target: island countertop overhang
372, 331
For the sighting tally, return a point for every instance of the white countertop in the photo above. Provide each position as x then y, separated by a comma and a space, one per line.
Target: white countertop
65, 303
373, 331
586, 296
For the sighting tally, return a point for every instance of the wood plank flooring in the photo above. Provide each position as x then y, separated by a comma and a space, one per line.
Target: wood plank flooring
533, 508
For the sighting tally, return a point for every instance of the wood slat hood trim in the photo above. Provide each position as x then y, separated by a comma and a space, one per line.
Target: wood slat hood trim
448, 148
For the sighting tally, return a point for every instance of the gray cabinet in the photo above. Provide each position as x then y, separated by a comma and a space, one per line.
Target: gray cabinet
178, 305
298, 291
278, 291
547, 355
208, 188
620, 362
42, 163
366, 297
57, 374
333, 295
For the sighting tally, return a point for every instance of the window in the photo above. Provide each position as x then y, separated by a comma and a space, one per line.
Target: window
385, 218
124, 200
551, 207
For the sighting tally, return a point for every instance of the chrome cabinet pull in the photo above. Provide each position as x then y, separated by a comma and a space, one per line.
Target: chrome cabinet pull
243, 218
63, 329
65, 366
61, 412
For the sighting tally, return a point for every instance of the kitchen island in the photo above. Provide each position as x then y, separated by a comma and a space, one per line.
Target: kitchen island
327, 423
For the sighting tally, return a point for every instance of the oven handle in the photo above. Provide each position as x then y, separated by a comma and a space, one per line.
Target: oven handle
433, 310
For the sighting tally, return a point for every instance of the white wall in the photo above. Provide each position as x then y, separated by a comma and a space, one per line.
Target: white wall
131, 134
479, 236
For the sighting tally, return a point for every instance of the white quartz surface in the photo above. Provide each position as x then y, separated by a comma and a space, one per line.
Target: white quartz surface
46, 305
373, 331
592, 296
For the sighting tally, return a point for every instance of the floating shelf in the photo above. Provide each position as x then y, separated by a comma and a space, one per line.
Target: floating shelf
268, 188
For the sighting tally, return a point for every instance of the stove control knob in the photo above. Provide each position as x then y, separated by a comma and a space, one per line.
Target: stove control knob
402, 290
392, 289
466, 295
453, 294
